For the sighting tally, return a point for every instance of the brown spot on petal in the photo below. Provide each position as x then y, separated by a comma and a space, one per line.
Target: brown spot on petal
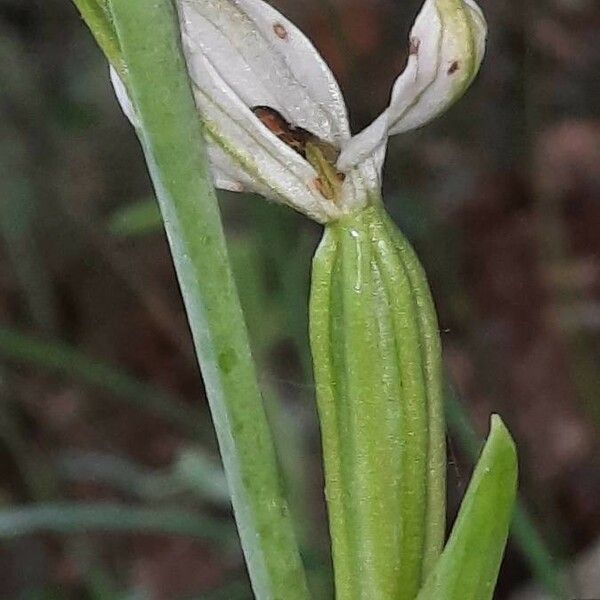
280, 31
413, 47
453, 67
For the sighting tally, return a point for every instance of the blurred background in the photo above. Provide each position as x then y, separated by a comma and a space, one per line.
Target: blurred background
110, 482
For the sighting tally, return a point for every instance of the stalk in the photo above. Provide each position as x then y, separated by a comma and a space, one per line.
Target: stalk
377, 361
172, 138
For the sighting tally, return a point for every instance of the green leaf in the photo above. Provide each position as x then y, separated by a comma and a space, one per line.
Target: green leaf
469, 565
545, 562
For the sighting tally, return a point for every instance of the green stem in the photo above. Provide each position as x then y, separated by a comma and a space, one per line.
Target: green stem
172, 138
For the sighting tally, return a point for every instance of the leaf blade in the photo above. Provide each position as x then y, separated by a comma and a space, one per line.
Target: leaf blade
469, 565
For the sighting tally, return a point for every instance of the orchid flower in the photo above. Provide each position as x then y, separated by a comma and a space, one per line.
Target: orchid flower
275, 123
274, 116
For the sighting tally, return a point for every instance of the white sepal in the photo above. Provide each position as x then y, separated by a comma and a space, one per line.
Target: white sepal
446, 47
265, 60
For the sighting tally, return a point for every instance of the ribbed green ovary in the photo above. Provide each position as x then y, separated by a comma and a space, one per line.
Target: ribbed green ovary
373, 360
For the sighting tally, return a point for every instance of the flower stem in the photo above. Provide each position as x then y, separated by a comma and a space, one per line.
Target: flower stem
172, 138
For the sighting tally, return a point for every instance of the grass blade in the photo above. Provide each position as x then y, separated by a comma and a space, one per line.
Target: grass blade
75, 518
192, 473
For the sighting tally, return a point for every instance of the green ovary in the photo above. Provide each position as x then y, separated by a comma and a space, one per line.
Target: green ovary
377, 367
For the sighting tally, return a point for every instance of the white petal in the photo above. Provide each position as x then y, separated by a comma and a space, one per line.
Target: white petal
258, 160
447, 44
242, 54
265, 60
459, 54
